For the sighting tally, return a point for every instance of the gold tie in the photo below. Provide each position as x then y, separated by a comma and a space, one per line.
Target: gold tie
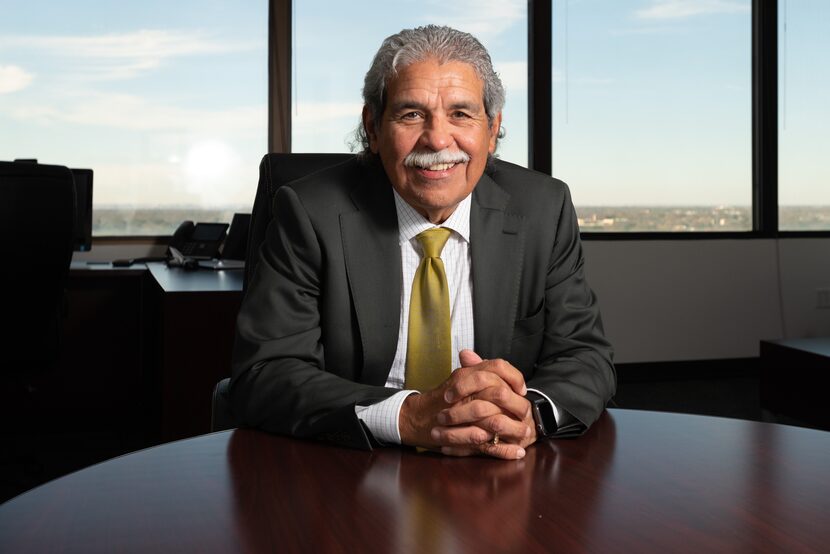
429, 345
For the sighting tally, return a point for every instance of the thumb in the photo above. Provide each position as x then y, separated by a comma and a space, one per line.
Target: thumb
469, 358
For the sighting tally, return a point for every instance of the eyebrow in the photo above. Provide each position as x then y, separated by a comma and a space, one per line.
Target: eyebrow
407, 105
413, 105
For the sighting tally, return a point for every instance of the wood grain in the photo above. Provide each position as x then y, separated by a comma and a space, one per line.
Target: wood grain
636, 482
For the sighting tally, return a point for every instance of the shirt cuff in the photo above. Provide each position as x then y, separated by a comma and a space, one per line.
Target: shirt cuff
555, 409
382, 418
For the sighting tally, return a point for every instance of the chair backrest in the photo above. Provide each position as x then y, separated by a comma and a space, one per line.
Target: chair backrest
37, 223
275, 171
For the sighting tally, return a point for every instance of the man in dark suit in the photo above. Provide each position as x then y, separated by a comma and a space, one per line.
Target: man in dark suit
424, 293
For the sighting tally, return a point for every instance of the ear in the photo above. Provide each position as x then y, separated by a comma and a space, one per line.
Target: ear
371, 131
494, 132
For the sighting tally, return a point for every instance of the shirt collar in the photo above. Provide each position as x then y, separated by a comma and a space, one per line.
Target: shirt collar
411, 223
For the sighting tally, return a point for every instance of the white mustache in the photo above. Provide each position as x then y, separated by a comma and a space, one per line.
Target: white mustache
428, 159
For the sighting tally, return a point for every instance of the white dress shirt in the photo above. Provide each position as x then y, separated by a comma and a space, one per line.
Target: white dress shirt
382, 418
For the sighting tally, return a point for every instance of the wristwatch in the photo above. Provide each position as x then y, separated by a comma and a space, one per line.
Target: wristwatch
542, 414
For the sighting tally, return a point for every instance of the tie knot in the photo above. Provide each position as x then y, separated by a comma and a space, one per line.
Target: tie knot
433, 241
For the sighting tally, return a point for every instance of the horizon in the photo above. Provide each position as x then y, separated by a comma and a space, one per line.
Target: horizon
168, 104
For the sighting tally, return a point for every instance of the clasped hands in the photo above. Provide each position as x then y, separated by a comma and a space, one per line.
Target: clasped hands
461, 417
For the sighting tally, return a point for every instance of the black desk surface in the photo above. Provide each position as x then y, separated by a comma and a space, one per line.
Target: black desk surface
636, 482
171, 279
175, 279
81, 267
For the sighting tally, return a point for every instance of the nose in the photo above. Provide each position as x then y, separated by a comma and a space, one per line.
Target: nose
436, 134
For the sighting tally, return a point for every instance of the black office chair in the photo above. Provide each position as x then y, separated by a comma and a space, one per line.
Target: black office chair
274, 171
37, 222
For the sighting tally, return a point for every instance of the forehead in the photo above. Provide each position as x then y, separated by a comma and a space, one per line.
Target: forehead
431, 77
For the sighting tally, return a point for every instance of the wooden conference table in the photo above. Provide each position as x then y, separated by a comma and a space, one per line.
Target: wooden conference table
636, 482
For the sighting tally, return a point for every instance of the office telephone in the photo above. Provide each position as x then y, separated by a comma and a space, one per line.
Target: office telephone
199, 240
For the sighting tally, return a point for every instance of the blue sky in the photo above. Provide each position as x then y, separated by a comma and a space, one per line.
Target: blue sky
652, 102
329, 78
167, 101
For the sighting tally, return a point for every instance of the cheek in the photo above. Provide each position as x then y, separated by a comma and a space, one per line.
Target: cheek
474, 143
404, 145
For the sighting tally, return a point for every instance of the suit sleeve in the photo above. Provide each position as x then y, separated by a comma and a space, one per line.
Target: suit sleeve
575, 365
280, 383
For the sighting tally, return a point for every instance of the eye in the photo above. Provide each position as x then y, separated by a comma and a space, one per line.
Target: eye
460, 115
411, 115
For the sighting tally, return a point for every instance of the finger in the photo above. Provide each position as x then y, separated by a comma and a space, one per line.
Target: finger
503, 451
508, 429
486, 403
507, 372
509, 402
467, 381
467, 435
469, 358
470, 410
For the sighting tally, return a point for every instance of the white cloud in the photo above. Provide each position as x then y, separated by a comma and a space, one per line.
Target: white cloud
513, 75
125, 111
137, 184
312, 112
13, 78
678, 9
150, 185
324, 126
125, 55
483, 19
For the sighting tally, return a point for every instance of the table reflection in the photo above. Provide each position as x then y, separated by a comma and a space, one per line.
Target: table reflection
398, 500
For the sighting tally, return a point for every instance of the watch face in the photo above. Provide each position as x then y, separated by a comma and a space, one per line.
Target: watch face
537, 417
544, 417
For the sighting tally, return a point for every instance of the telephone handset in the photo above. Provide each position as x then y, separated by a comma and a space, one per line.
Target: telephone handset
199, 240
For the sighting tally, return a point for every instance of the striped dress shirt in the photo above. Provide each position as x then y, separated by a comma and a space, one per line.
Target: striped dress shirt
382, 418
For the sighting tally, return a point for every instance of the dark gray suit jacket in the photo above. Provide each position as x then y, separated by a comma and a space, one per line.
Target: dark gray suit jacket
318, 327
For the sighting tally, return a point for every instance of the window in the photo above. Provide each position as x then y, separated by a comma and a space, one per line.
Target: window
652, 106
334, 43
165, 102
803, 115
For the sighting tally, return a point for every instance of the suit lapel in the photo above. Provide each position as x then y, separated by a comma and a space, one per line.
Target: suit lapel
373, 266
497, 243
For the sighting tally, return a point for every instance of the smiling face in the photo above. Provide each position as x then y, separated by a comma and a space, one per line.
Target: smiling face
432, 108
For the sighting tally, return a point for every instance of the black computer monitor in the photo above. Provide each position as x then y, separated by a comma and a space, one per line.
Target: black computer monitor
83, 217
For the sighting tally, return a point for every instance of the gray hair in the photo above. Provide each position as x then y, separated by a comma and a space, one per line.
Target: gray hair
444, 44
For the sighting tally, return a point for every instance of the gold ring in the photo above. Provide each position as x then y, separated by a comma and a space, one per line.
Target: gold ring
495, 440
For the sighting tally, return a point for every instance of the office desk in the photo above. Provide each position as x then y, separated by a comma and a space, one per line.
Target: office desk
174, 280
636, 482
102, 365
154, 338
795, 378
194, 337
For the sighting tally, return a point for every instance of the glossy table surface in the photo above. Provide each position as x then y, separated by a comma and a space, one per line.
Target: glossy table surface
636, 482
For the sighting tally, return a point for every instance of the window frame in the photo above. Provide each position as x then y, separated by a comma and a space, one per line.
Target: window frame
765, 218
